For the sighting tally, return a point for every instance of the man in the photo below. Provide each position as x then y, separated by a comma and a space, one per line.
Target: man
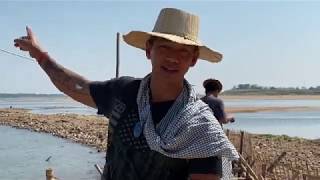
213, 88
158, 129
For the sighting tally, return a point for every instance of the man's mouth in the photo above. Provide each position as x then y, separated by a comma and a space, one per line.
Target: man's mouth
169, 69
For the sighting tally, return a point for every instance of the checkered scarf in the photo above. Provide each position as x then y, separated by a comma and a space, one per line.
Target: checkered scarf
188, 130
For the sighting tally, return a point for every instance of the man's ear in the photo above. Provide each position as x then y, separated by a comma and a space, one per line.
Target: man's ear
194, 61
195, 58
148, 49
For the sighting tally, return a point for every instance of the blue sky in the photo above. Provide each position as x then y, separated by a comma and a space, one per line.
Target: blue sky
265, 43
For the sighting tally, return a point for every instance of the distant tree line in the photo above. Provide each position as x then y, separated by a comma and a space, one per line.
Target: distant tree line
255, 86
254, 89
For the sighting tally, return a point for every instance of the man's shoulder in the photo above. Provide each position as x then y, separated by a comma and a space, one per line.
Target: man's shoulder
212, 99
119, 82
127, 80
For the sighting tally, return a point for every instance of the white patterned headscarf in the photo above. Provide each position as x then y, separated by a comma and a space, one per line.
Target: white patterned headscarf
188, 130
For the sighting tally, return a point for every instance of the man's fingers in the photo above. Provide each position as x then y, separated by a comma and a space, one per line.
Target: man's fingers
22, 49
24, 38
21, 43
29, 32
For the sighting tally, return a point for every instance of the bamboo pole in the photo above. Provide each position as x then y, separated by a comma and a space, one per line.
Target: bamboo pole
118, 58
248, 168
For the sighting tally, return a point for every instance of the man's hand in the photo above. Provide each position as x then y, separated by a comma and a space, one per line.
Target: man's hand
230, 119
29, 43
68, 82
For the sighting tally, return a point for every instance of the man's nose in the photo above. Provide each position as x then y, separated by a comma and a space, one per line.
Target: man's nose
172, 59
172, 56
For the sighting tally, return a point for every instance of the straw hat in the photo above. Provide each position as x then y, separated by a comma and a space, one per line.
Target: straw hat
177, 26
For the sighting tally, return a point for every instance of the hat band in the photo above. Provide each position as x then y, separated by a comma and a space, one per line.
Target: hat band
187, 36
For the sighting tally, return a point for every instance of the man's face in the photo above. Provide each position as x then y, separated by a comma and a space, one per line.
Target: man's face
170, 60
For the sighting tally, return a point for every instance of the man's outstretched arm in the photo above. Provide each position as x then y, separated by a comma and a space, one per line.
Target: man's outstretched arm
70, 83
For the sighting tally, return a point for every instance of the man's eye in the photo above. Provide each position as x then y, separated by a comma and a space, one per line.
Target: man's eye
163, 47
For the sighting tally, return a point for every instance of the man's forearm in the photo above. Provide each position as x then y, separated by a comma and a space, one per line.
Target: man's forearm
70, 83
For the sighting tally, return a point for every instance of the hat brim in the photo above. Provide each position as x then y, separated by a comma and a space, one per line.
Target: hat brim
138, 39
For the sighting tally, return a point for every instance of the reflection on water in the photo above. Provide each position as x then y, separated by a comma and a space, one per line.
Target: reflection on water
23, 156
47, 105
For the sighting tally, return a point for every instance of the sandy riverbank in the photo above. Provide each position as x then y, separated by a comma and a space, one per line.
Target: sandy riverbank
269, 108
277, 97
301, 155
252, 109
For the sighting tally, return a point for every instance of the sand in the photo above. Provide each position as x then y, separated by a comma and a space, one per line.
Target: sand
276, 97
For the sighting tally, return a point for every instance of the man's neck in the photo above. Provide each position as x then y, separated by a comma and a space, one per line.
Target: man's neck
213, 93
164, 90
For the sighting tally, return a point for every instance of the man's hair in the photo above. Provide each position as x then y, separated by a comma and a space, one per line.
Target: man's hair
212, 85
152, 39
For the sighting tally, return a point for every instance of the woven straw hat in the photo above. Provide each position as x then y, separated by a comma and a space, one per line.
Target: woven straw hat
177, 26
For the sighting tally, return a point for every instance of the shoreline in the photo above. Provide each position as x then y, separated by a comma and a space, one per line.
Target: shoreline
91, 130
251, 109
272, 97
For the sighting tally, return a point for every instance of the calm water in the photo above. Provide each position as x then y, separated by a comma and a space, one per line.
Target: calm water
24, 153
300, 124
47, 105
304, 124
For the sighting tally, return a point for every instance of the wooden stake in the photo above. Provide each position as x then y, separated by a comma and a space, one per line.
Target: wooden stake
49, 174
241, 141
98, 169
248, 168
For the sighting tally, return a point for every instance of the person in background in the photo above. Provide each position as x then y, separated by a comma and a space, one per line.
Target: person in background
157, 129
213, 87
